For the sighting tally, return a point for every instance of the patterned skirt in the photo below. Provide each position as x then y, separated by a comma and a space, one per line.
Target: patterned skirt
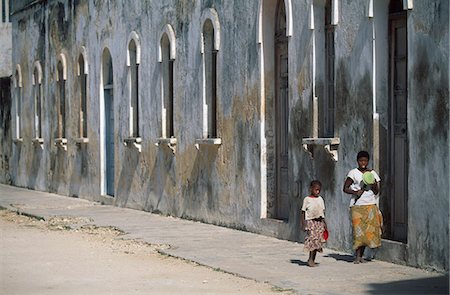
314, 240
366, 221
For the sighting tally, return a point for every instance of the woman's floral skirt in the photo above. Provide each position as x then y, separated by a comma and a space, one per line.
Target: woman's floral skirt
366, 221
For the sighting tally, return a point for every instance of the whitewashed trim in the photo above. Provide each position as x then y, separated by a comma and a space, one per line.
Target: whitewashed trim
259, 21
61, 58
168, 30
18, 77
37, 66
369, 9
408, 4
134, 37
334, 12
211, 14
84, 53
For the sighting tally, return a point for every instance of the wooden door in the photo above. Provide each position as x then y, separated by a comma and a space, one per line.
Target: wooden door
282, 114
109, 139
398, 141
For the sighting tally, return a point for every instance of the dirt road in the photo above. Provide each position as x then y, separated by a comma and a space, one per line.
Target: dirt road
56, 257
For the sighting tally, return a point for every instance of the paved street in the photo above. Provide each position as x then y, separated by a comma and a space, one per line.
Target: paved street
278, 262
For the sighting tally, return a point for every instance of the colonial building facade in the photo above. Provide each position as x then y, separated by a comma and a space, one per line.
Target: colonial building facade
224, 111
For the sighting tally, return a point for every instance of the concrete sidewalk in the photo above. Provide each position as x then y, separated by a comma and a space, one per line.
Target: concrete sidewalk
265, 259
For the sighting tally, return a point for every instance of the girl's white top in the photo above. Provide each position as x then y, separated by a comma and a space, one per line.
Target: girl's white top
368, 197
313, 207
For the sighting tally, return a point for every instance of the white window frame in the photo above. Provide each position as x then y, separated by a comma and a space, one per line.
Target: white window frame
134, 138
211, 15
83, 98
18, 104
61, 140
167, 138
37, 102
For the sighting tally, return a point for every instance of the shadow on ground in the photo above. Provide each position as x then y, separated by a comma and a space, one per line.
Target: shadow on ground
436, 285
341, 257
299, 262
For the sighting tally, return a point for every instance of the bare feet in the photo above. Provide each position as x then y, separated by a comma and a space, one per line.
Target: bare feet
359, 260
311, 263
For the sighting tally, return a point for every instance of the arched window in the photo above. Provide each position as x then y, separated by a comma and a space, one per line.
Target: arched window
328, 103
167, 56
18, 102
37, 93
82, 82
209, 47
61, 76
133, 83
209, 78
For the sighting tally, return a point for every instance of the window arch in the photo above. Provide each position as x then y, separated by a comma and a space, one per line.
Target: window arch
61, 77
133, 61
37, 93
18, 102
82, 72
210, 45
166, 59
262, 18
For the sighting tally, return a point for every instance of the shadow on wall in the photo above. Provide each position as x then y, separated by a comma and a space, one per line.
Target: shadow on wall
58, 169
14, 169
199, 193
80, 171
436, 285
163, 170
33, 171
126, 176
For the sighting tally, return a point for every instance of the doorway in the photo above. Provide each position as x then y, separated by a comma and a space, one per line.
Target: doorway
398, 123
281, 114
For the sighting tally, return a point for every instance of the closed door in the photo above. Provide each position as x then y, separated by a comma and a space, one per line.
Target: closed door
398, 144
281, 116
109, 139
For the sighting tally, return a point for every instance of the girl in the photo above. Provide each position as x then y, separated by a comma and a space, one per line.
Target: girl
366, 218
313, 221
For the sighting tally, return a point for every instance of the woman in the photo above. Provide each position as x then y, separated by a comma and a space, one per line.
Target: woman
366, 219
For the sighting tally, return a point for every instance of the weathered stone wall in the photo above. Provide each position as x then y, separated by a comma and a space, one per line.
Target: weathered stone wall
5, 50
5, 96
428, 113
5, 130
223, 184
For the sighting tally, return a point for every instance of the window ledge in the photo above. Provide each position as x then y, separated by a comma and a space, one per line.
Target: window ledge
321, 140
207, 141
18, 140
61, 142
164, 140
133, 142
170, 142
330, 144
81, 140
38, 140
